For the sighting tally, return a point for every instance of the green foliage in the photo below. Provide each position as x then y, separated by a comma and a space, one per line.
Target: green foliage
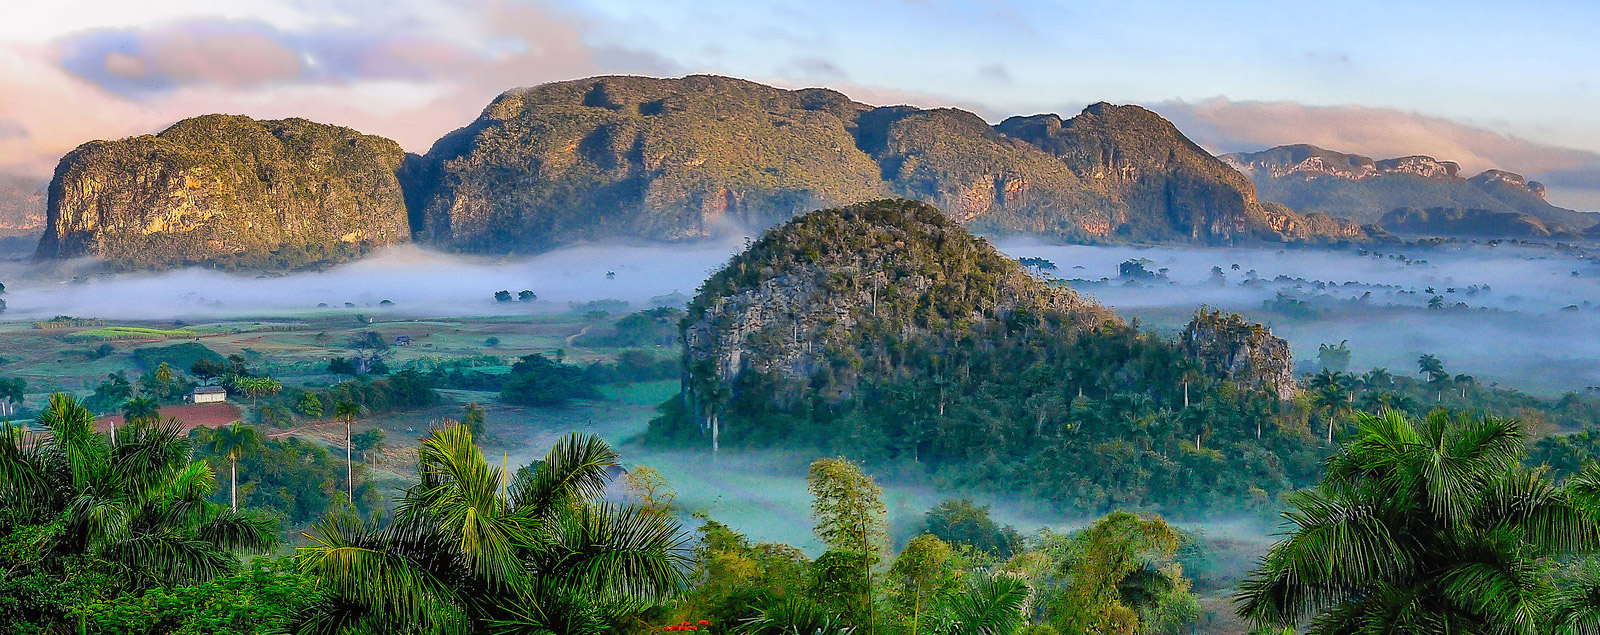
653, 327
1430, 526
850, 521
536, 380
131, 515
1120, 577
546, 554
367, 443
110, 394
473, 417
960, 522
116, 333
310, 405
265, 599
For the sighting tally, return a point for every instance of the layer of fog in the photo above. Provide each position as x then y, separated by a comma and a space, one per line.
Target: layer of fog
1530, 318
418, 282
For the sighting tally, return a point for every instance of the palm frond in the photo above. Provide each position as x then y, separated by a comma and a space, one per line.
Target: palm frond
575, 468
617, 549
375, 571
991, 604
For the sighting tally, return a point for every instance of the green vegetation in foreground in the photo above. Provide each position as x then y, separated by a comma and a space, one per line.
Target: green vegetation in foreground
1434, 526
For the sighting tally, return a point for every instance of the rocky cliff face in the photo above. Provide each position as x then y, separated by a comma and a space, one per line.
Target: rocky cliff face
1358, 188
1228, 346
680, 158
227, 191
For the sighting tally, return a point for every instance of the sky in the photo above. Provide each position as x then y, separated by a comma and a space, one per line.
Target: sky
1489, 85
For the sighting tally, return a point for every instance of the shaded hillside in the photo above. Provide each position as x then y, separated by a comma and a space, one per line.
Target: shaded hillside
1473, 223
1361, 189
887, 332
227, 191
681, 158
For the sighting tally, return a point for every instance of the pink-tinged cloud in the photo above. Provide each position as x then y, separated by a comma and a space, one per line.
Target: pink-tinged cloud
227, 53
409, 86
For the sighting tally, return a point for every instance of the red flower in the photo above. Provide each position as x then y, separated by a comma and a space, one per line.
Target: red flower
705, 622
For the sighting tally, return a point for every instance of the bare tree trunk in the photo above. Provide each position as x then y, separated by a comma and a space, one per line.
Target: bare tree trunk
349, 466
715, 433
233, 485
1186, 393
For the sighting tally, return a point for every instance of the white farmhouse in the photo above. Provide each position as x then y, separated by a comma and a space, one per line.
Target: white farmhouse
209, 394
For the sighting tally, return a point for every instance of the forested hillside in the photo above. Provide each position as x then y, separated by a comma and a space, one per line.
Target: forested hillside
887, 332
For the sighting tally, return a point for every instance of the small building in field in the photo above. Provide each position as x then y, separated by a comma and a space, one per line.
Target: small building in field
402, 340
209, 394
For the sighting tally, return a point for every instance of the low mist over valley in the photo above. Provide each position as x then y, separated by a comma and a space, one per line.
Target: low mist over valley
1511, 314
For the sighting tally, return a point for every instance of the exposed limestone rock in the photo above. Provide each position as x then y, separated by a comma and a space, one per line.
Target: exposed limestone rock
227, 191
1228, 346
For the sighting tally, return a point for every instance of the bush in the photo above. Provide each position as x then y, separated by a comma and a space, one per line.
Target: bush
536, 380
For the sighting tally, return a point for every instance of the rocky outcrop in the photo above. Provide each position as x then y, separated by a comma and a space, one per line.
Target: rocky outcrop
1350, 186
1227, 346
801, 300
227, 191
634, 157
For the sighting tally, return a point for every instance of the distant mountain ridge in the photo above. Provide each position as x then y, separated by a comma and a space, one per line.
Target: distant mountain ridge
1362, 189
670, 159
679, 158
1474, 223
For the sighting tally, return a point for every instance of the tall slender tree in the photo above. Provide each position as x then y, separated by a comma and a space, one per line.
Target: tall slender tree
233, 441
850, 520
347, 412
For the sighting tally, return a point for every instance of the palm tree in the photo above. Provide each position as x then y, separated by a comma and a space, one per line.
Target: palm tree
135, 512
546, 554
232, 442
1429, 526
140, 409
347, 411
1331, 391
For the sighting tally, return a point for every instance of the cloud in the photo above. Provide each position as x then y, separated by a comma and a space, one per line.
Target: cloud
995, 73
814, 68
229, 53
411, 78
